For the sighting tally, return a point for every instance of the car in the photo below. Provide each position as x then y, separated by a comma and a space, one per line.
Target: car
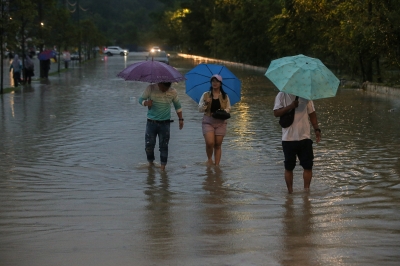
115, 50
160, 56
74, 56
155, 49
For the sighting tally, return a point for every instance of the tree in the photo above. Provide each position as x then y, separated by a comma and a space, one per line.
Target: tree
240, 31
197, 25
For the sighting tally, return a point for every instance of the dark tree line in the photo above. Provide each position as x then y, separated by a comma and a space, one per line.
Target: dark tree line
27, 25
359, 37
356, 37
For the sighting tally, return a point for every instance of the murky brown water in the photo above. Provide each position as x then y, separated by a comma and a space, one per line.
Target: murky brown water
75, 188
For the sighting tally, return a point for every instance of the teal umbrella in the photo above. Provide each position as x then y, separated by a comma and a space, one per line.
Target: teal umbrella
303, 76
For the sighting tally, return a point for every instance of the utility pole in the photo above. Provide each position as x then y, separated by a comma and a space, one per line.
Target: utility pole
80, 34
1, 48
40, 13
77, 9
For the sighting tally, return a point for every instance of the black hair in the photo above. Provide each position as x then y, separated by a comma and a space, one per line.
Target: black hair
221, 89
166, 84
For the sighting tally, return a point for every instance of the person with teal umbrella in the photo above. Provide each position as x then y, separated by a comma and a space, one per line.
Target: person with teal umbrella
300, 79
296, 140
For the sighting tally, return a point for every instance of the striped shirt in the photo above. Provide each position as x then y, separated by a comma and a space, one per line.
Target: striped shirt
161, 108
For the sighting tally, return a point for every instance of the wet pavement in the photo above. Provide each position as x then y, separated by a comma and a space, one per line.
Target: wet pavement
75, 188
55, 68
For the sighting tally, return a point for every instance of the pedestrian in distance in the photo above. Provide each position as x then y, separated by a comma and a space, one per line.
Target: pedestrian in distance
214, 130
16, 68
45, 64
296, 141
158, 98
29, 68
66, 58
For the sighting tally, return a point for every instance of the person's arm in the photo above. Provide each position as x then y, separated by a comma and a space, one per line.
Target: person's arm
144, 99
284, 110
228, 105
314, 123
180, 119
178, 109
202, 104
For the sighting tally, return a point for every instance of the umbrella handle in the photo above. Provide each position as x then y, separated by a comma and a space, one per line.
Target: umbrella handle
149, 107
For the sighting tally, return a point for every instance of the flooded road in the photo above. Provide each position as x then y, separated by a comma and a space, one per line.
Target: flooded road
75, 188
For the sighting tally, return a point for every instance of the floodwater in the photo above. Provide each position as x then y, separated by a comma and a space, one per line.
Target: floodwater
75, 188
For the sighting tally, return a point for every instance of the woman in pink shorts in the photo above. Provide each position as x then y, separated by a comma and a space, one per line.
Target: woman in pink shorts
214, 129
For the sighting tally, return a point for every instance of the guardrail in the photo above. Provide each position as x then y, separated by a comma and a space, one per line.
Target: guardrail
201, 59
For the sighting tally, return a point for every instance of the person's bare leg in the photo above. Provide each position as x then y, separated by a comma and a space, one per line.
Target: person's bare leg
218, 149
209, 139
289, 180
307, 176
162, 167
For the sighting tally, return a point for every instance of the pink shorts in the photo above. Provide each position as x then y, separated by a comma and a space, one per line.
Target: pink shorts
211, 124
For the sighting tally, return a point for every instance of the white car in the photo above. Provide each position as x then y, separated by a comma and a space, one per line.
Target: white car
115, 50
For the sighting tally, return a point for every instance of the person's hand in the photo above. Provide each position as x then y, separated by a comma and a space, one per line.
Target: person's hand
317, 136
180, 123
295, 103
149, 103
207, 101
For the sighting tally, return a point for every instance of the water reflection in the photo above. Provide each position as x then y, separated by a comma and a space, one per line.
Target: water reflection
298, 233
159, 222
216, 214
69, 174
214, 185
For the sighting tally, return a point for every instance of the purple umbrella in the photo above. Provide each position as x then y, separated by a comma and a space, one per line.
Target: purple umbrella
47, 54
151, 71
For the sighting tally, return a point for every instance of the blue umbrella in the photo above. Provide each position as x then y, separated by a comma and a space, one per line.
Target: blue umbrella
303, 76
47, 54
198, 81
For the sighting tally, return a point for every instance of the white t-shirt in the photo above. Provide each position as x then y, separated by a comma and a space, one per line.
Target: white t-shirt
300, 129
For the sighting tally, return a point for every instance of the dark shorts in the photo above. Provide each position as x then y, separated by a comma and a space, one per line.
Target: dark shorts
302, 149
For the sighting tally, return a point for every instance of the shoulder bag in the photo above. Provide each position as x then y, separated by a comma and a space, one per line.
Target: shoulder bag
221, 114
287, 119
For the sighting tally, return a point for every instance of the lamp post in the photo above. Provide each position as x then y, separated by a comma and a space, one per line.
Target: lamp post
3, 4
40, 13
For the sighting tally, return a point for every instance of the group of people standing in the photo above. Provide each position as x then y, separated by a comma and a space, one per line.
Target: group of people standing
296, 139
27, 73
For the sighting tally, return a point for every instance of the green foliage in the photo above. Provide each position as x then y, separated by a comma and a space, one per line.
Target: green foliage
17, 23
197, 26
123, 22
356, 37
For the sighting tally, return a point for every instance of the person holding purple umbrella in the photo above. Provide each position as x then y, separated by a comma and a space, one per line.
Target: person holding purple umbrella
214, 129
158, 98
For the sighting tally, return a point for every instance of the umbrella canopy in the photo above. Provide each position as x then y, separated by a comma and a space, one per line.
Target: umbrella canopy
151, 71
303, 76
47, 54
198, 81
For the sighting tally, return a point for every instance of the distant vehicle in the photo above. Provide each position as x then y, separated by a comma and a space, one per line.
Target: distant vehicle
115, 50
161, 56
74, 56
155, 49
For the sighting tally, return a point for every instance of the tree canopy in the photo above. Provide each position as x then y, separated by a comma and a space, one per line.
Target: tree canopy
358, 37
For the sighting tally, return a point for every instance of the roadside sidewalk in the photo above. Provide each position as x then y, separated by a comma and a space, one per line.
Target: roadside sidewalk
7, 76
